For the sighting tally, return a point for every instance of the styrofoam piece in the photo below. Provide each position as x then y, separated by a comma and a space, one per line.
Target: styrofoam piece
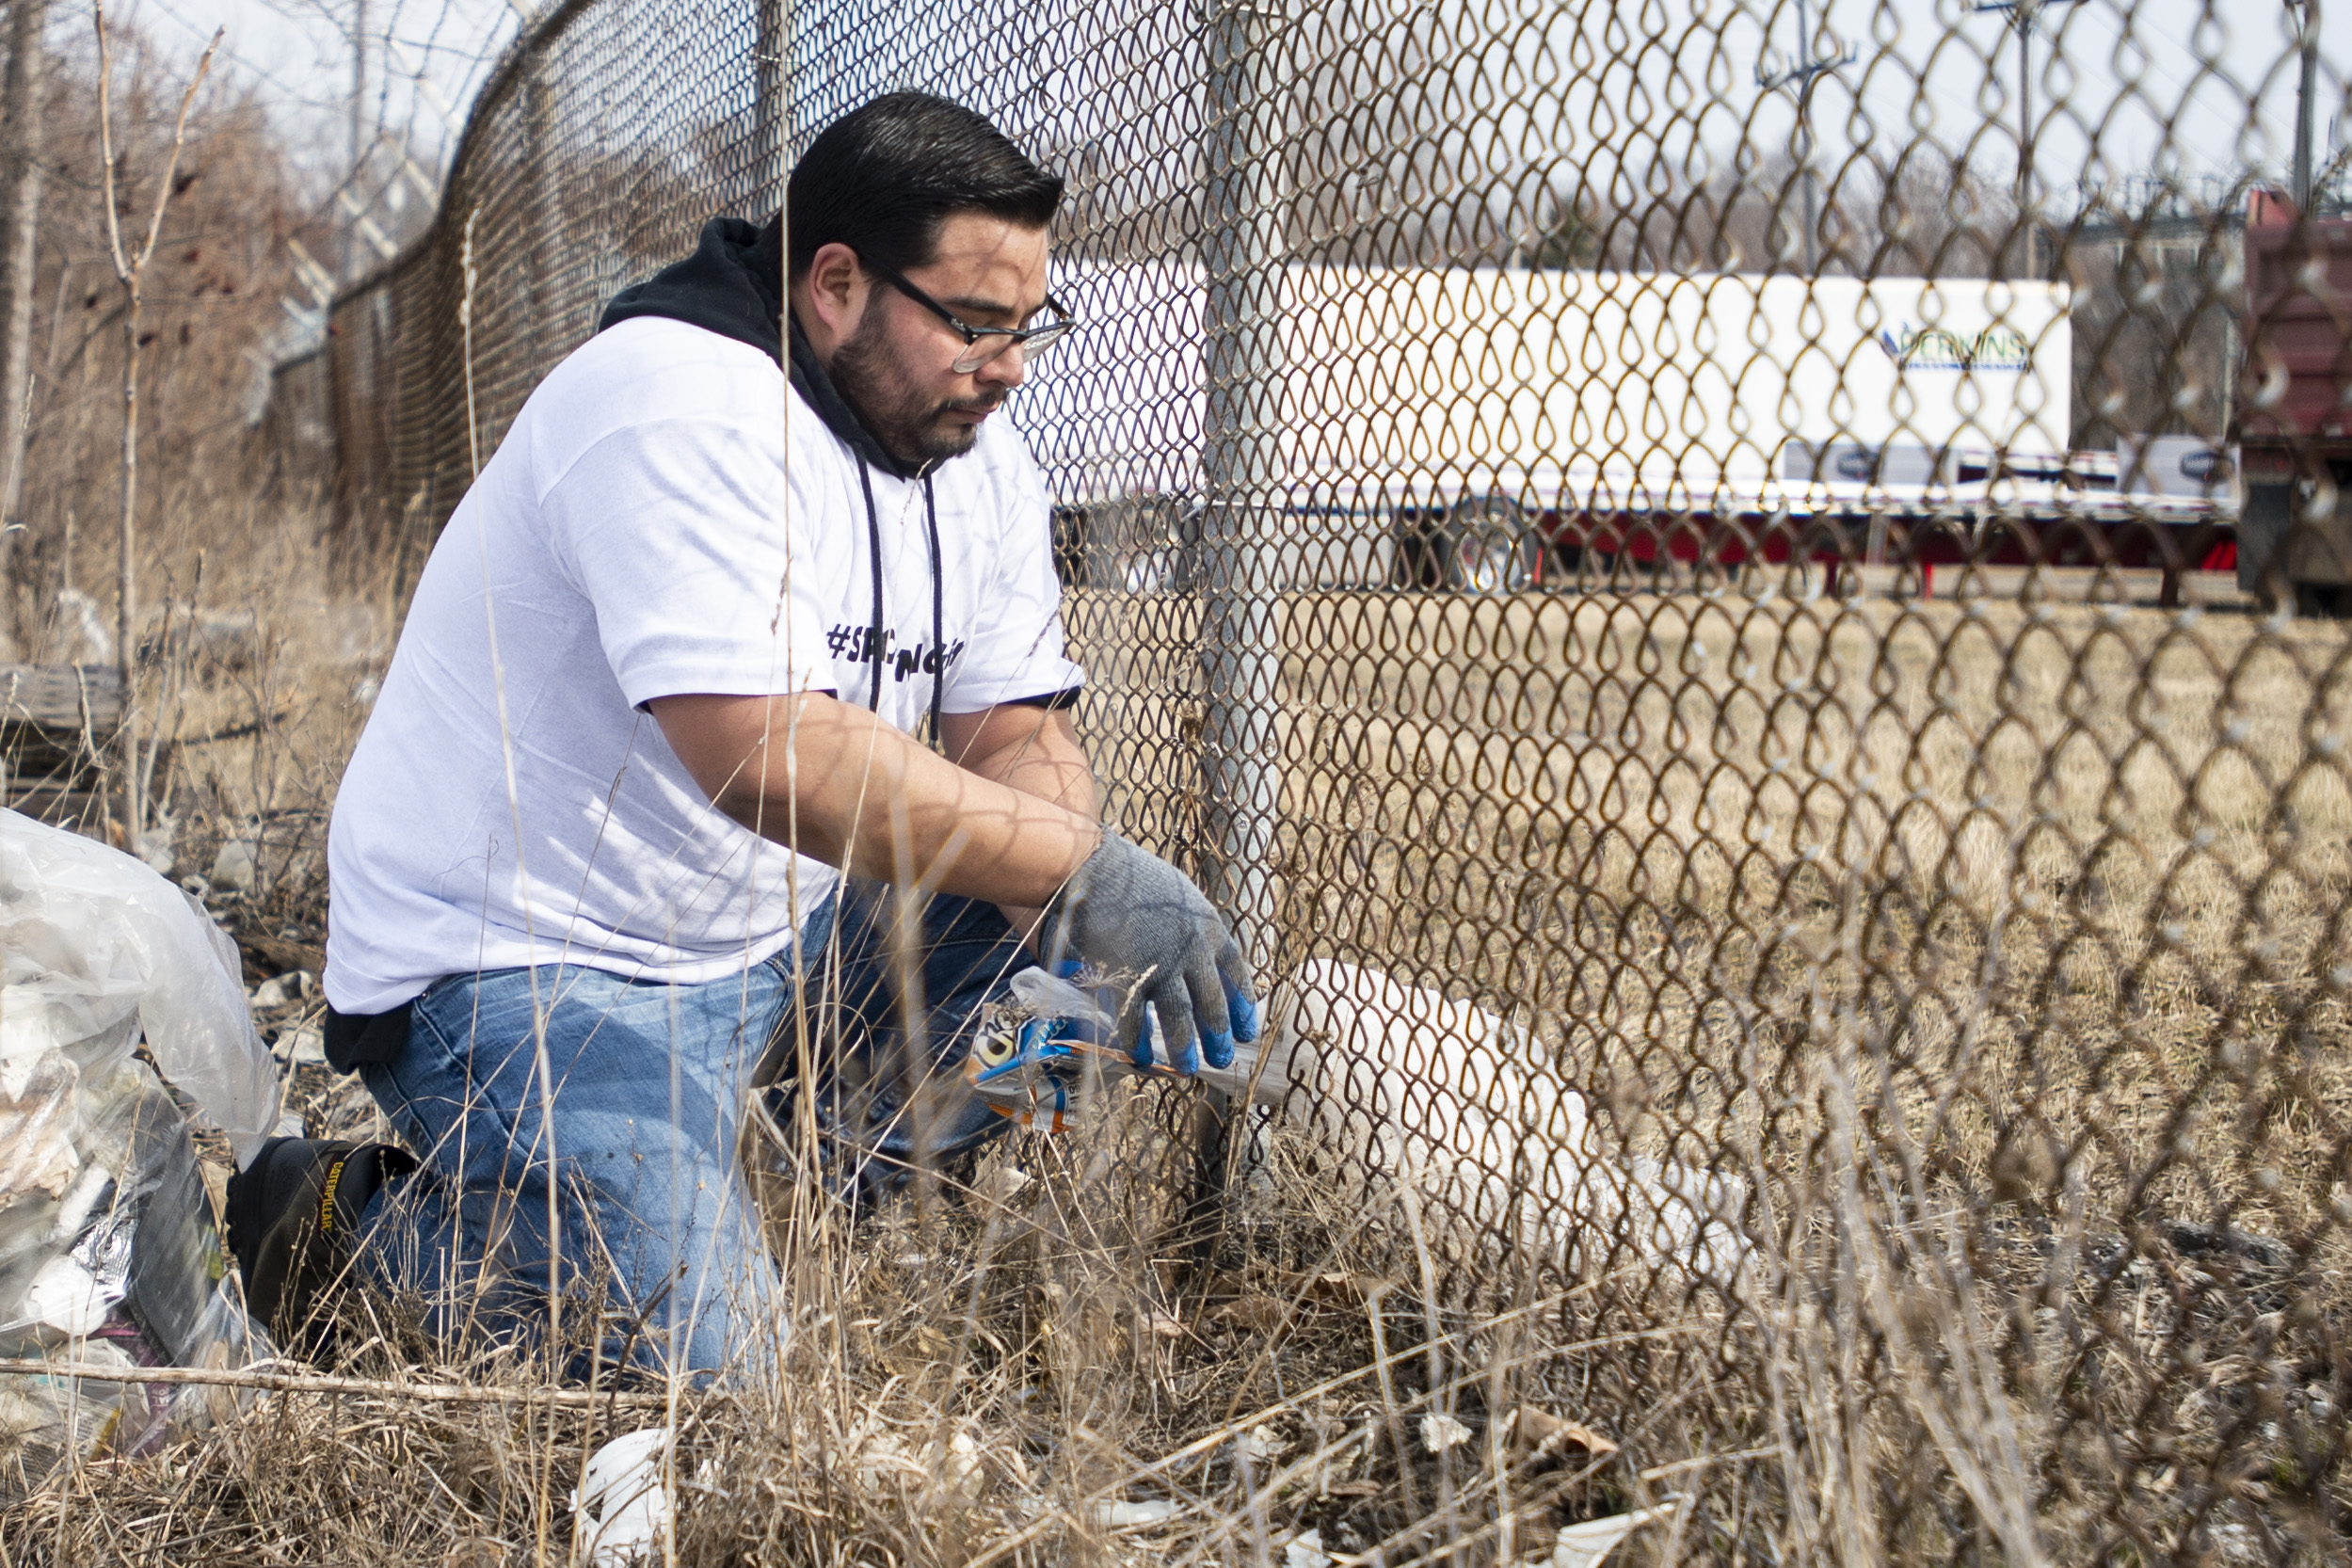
623, 1501
68, 1297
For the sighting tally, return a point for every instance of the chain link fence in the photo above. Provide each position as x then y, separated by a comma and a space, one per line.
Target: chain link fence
1679, 581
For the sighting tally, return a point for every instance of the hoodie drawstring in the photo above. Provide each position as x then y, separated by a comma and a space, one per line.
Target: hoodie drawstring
875, 649
939, 620
874, 553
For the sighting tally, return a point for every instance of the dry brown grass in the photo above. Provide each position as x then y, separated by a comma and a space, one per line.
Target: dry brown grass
1977, 1087
1980, 1093
1999, 945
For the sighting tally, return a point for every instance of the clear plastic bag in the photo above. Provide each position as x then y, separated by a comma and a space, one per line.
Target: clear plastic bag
109, 1257
127, 1274
96, 947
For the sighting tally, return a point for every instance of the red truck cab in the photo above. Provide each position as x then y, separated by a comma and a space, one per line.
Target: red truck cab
2294, 410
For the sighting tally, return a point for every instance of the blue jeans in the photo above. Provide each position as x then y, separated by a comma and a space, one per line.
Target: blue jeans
629, 1120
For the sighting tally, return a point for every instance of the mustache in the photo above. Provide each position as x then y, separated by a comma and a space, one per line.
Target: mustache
971, 404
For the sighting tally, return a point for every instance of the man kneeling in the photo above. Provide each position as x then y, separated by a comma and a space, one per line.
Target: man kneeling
645, 784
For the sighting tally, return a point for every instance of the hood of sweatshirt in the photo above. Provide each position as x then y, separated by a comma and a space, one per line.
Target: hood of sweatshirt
732, 284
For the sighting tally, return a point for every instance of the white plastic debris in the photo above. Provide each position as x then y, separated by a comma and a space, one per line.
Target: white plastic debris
81, 634
1583, 1545
157, 846
1006, 1183
303, 1042
66, 1297
1124, 1514
234, 867
1401, 1081
884, 1462
962, 1469
1441, 1433
1441, 1093
622, 1503
1305, 1550
96, 947
38, 1101
1260, 1445
293, 986
1050, 997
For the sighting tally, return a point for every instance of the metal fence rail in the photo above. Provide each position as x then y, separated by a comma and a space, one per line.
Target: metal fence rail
1713, 581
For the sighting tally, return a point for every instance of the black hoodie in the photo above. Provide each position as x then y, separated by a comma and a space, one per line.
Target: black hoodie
733, 286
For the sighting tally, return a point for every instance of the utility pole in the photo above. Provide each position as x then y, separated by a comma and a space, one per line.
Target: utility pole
2306, 90
2021, 14
1801, 75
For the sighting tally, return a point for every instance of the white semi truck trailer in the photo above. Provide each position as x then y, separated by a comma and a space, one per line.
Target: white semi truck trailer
1464, 427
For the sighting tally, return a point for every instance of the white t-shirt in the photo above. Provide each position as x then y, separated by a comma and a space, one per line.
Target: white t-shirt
637, 535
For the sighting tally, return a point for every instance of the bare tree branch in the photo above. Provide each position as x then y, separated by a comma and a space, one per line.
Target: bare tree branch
129, 270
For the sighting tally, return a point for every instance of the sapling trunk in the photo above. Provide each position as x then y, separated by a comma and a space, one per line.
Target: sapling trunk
130, 269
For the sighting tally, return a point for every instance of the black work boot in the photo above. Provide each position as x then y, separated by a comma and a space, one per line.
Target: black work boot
292, 1215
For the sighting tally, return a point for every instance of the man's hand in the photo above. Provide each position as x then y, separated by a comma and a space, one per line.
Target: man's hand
1128, 910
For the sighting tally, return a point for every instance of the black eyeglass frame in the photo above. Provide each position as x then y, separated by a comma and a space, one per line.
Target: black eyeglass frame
1051, 331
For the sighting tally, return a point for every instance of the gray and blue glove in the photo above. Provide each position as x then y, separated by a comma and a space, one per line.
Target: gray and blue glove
1127, 910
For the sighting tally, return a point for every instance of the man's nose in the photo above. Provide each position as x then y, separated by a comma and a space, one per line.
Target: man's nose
1008, 369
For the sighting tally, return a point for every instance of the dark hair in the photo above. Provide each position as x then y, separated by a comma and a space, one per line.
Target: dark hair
883, 178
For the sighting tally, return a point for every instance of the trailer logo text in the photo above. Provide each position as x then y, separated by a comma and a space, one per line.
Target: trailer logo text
1940, 349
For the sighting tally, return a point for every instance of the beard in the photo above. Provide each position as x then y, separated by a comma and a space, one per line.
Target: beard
910, 421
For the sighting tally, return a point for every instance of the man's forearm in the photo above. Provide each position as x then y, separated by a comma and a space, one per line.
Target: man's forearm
1034, 750
833, 781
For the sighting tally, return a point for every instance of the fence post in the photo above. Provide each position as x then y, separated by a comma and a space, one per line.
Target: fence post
1241, 613
1242, 255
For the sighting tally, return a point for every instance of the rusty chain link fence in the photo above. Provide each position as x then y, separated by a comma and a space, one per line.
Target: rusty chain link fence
1673, 564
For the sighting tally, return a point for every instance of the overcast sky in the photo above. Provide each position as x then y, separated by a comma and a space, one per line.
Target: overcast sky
2148, 82
298, 53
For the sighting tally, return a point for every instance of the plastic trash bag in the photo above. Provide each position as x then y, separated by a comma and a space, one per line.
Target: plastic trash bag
124, 1271
94, 948
109, 1257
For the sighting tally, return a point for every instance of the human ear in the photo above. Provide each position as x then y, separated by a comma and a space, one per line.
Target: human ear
836, 288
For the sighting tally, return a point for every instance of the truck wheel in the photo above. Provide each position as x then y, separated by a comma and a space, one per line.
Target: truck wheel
1490, 549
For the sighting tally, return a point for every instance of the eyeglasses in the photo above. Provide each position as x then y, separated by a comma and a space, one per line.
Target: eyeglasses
985, 343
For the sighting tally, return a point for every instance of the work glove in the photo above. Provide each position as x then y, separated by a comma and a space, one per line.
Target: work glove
1129, 911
